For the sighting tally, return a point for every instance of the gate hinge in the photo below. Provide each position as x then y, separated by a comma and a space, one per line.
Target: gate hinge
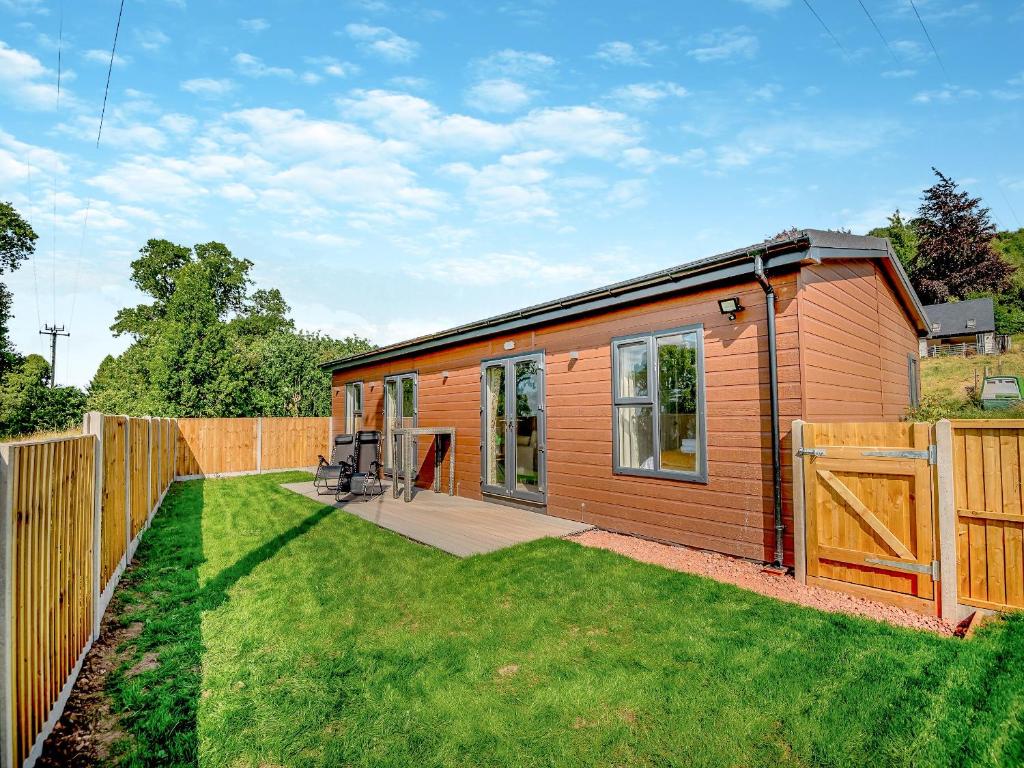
933, 455
819, 452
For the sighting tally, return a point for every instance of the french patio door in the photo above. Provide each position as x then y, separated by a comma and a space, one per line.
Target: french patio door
400, 411
512, 427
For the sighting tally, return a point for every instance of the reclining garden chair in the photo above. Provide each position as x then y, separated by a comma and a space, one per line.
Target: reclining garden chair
365, 479
332, 475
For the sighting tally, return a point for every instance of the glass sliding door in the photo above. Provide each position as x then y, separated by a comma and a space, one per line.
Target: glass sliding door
400, 410
512, 427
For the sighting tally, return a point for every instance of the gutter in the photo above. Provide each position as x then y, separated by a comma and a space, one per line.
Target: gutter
773, 375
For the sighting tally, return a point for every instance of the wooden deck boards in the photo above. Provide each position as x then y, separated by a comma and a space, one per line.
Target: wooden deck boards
453, 524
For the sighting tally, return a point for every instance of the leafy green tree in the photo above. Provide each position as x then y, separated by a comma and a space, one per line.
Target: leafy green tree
206, 346
17, 243
903, 236
28, 404
955, 253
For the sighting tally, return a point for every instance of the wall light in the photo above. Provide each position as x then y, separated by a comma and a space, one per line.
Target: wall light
574, 355
730, 306
444, 375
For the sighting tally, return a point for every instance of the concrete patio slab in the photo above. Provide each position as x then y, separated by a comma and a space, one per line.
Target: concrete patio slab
452, 524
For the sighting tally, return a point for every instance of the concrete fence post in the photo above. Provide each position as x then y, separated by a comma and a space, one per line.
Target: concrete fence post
259, 445
127, 490
946, 506
799, 511
149, 468
8, 458
94, 426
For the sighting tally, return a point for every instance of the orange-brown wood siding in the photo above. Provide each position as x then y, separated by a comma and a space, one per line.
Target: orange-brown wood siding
732, 512
855, 337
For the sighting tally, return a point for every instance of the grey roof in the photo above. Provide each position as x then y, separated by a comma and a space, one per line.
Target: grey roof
806, 246
951, 319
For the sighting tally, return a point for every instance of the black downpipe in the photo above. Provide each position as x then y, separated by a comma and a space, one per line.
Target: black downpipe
773, 374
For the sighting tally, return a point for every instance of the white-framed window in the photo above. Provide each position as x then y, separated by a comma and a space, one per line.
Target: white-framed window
658, 420
353, 407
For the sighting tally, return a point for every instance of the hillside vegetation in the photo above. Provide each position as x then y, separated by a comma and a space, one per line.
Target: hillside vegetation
947, 384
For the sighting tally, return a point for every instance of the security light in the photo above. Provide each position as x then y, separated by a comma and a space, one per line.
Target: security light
730, 306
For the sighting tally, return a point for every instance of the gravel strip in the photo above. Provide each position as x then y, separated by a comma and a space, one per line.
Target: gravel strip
748, 575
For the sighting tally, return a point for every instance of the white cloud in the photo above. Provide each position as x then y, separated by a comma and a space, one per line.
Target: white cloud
578, 130
945, 95
382, 42
20, 75
151, 179
492, 269
899, 74
767, 92
177, 123
498, 96
99, 56
513, 189
253, 66
151, 39
25, 6
254, 25
513, 63
328, 65
787, 139
16, 157
208, 86
724, 44
620, 52
641, 95
410, 83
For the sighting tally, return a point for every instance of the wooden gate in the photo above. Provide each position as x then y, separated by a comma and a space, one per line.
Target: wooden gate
868, 510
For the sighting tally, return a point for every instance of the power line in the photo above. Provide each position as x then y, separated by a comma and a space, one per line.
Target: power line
1010, 206
930, 41
53, 237
78, 263
879, 31
825, 26
32, 258
110, 70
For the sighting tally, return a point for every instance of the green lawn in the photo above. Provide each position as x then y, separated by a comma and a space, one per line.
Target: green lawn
292, 634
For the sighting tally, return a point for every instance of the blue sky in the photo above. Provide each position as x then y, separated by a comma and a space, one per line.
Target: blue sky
398, 167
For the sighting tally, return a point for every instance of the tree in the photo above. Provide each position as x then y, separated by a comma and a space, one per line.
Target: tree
28, 404
207, 346
955, 253
17, 243
903, 237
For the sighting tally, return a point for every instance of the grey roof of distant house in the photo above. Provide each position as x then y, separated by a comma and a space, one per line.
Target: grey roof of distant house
952, 318
808, 245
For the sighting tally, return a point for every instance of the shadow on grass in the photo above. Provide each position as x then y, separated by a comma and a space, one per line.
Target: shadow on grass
160, 602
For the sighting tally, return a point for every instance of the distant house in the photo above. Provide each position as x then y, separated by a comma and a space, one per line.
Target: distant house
959, 327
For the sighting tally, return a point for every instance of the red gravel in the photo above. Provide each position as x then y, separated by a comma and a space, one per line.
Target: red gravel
748, 575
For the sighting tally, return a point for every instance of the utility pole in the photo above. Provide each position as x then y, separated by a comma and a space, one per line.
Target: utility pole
53, 331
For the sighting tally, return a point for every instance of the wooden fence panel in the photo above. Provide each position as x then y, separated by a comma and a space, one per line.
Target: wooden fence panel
216, 446
869, 514
113, 538
290, 443
52, 548
988, 467
138, 432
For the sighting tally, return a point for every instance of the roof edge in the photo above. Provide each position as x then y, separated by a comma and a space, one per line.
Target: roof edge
806, 245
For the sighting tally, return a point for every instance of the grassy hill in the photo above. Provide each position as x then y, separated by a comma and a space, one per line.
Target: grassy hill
947, 384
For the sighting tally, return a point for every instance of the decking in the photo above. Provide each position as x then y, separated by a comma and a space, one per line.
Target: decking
453, 524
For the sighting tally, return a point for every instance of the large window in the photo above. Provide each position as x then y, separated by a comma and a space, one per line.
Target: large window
658, 382
353, 407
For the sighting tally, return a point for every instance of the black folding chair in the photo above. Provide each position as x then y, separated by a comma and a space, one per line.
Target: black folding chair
365, 480
332, 475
